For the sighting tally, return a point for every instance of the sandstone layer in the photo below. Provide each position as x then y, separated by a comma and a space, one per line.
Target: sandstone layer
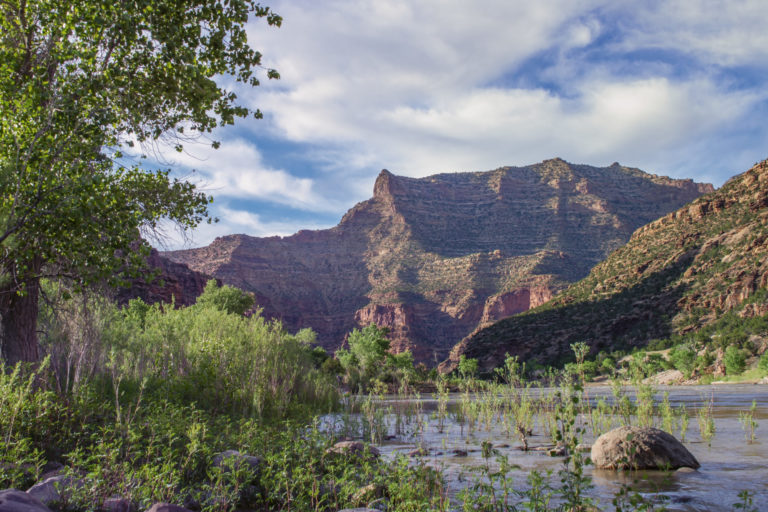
435, 258
695, 274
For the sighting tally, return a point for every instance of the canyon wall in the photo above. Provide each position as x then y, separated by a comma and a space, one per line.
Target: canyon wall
696, 276
437, 258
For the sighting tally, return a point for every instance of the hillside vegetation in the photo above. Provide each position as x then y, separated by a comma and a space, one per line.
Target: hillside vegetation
684, 278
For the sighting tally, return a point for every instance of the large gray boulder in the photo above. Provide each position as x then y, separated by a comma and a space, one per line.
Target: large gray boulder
55, 489
640, 448
12, 500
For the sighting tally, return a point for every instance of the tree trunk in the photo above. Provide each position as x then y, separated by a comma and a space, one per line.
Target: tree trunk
18, 322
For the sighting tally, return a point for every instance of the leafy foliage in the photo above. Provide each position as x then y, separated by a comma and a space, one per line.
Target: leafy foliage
225, 298
80, 82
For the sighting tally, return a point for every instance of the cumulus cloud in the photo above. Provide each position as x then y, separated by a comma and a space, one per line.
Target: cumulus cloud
237, 170
723, 32
412, 85
433, 86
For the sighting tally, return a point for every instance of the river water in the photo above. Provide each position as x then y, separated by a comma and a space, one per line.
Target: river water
729, 465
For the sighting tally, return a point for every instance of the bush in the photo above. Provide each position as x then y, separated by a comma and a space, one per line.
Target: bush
683, 358
366, 356
467, 366
763, 364
225, 298
214, 357
734, 360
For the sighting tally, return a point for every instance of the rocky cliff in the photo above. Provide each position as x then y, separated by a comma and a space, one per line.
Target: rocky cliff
677, 276
436, 257
169, 282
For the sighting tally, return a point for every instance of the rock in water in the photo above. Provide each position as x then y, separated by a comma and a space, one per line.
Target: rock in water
354, 449
640, 448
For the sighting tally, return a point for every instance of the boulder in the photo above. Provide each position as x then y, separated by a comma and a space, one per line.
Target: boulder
233, 459
640, 448
354, 449
166, 507
665, 378
367, 494
116, 504
55, 489
12, 500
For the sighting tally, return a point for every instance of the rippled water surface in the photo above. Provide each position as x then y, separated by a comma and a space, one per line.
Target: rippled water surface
728, 466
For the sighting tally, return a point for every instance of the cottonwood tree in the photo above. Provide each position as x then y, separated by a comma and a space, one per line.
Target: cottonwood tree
80, 82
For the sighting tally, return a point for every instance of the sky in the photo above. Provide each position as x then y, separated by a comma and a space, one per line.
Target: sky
419, 87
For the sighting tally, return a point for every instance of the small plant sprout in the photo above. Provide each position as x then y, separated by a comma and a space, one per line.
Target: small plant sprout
748, 422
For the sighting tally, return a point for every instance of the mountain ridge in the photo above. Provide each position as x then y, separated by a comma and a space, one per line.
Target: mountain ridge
676, 275
432, 258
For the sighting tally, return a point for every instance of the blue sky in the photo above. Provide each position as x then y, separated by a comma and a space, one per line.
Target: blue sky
674, 87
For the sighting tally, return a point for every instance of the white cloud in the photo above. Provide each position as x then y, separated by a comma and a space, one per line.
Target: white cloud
231, 221
237, 170
725, 32
425, 86
405, 85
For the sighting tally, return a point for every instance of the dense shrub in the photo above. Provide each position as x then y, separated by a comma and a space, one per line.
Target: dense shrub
763, 364
684, 359
734, 360
367, 359
218, 359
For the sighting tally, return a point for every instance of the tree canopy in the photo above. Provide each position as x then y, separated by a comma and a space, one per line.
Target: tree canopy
86, 87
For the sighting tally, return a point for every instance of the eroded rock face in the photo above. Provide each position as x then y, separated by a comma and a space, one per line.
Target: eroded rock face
436, 258
674, 276
175, 282
640, 448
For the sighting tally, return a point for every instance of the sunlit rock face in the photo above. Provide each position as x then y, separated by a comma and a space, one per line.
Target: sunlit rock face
685, 271
436, 258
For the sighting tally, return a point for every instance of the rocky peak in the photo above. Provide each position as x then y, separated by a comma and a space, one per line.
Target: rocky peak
383, 187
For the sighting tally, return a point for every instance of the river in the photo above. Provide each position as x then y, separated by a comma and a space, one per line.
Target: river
729, 463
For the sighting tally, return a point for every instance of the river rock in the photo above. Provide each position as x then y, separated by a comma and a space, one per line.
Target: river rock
167, 507
640, 448
418, 452
55, 489
367, 494
13, 500
234, 459
354, 448
116, 504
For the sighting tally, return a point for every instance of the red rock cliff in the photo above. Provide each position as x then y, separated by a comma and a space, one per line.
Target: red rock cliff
437, 257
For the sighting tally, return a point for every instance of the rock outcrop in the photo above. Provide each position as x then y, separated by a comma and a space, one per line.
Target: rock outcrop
435, 258
640, 448
169, 281
686, 274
